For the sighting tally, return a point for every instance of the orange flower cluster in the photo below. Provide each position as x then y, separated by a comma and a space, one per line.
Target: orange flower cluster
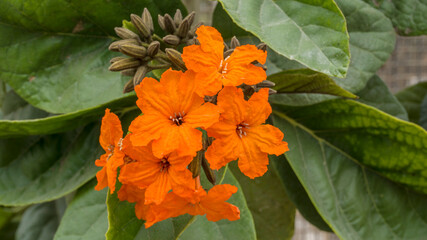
154, 156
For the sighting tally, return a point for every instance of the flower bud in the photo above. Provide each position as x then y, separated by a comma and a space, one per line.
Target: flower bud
210, 175
153, 48
115, 59
190, 18
148, 20
128, 72
133, 50
124, 64
171, 40
228, 52
125, 33
139, 75
266, 84
271, 91
140, 25
183, 29
234, 43
161, 21
169, 24
128, 86
177, 18
175, 57
262, 46
114, 46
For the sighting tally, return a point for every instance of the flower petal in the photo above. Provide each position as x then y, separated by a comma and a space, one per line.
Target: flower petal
140, 174
101, 177
183, 139
210, 40
111, 130
252, 162
204, 116
152, 97
198, 60
233, 106
268, 139
222, 151
131, 193
261, 108
148, 127
157, 191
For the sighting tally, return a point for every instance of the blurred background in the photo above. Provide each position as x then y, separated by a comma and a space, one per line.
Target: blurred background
407, 66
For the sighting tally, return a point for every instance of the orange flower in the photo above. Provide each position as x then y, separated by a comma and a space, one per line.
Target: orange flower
207, 58
110, 140
172, 112
197, 202
131, 193
241, 134
158, 175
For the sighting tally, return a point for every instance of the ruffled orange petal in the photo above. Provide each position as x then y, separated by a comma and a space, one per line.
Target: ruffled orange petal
180, 179
157, 191
101, 177
131, 193
204, 116
172, 206
232, 104
211, 40
188, 99
239, 66
141, 210
178, 161
215, 206
141, 174
148, 127
183, 139
261, 108
113, 163
222, 151
268, 139
111, 130
152, 97
198, 60
252, 162
222, 129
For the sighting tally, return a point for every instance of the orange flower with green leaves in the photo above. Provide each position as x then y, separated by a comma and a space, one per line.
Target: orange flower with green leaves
208, 59
110, 140
157, 175
241, 134
194, 202
172, 112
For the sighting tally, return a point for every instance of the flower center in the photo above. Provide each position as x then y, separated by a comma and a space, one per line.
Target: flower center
223, 66
178, 118
128, 160
111, 149
164, 164
241, 129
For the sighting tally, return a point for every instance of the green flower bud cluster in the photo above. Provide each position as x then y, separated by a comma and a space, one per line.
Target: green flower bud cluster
145, 50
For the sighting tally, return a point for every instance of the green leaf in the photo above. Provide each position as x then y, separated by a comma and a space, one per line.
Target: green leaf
61, 123
273, 212
409, 16
39, 222
329, 141
59, 62
423, 118
314, 33
307, 81
411, 99
15, 108
296, 192
86, 215
124, 225
377, 94
42, 168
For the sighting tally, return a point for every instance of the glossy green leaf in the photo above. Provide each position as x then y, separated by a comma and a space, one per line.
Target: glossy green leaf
327, 154
311, 32
61, 123
86, 215
307, 81
296, 192
39, 222
411, 99
409, 16
377, 94
16, 108
124, 225
59, 62
273, 212
42, 168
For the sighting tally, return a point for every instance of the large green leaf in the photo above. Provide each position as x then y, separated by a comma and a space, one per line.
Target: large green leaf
15, 108
124, 225
86, 215
377, 94
307, 81
39, 222
42, 168
296, 192
59, 62
273, 212
61, 123
411, 99
330, 144
311, 32
409, 16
